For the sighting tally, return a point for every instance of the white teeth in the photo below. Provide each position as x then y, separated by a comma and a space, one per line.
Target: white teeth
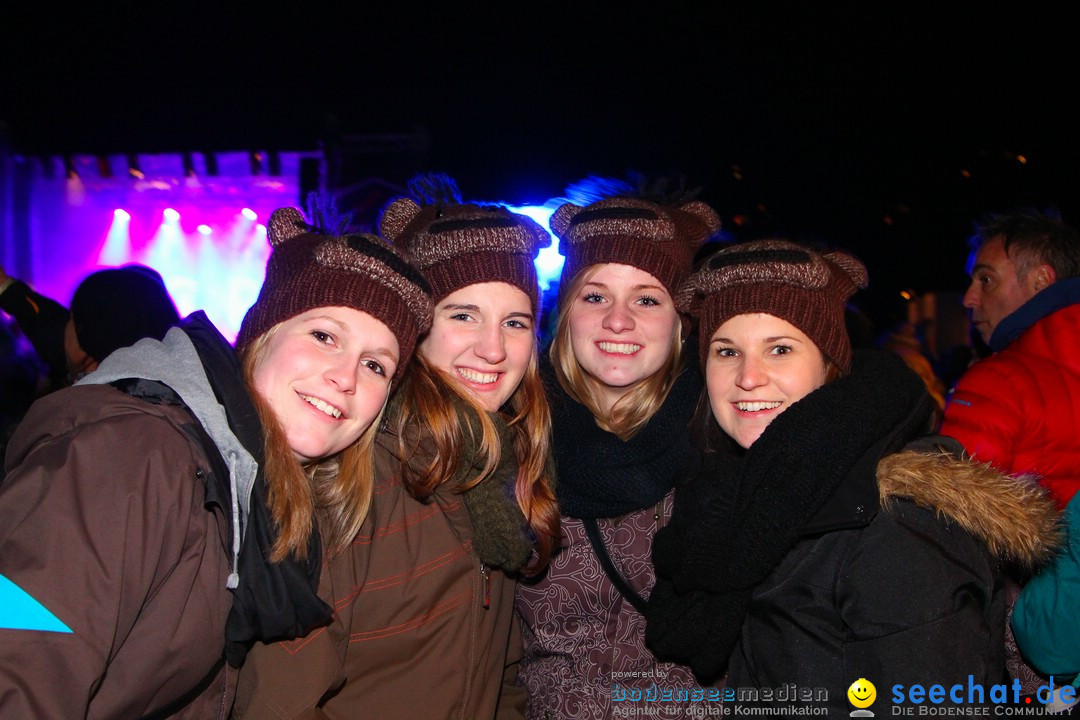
323, 405
756, 406
477, 377
620, 348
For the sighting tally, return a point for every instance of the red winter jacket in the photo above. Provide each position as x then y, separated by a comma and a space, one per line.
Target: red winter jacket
1020, 409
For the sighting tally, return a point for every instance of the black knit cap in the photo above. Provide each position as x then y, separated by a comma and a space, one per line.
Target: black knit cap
118, 307
779, 278
659, 239
459, 244
309, 270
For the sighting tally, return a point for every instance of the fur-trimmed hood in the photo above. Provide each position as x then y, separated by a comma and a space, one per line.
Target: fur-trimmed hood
1014, 517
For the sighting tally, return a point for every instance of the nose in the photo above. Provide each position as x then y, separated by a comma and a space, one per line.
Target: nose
490, 345
751, 374
618, 319
971, 296
341, 373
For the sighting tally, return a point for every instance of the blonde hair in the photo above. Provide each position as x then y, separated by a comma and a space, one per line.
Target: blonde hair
434, 401
339, 488
633, 410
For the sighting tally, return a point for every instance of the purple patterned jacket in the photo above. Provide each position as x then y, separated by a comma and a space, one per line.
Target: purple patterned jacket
585, 654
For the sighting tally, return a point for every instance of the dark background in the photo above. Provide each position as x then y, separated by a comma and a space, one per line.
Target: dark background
885, 130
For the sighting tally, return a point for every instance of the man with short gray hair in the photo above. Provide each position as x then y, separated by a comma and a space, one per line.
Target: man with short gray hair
1020, 408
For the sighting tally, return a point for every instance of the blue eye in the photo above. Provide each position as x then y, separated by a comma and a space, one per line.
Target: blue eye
592, 298
648, 301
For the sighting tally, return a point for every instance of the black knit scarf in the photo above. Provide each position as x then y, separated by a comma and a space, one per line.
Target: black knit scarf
601, 476
274, 601
718, 550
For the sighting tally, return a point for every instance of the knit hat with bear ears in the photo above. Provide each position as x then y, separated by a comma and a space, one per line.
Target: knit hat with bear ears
659, 239
309, 270
779, 278
459, 244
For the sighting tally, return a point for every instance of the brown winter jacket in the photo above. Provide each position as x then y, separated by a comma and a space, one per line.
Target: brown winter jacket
420, 630
102, 521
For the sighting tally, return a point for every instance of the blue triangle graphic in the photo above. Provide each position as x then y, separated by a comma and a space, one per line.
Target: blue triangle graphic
19, 611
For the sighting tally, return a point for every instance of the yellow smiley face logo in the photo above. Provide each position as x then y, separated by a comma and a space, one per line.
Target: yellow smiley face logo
862, 693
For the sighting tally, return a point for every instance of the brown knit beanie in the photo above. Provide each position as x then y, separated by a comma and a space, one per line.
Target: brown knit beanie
661, 240
779, 278
310, 270
457, 245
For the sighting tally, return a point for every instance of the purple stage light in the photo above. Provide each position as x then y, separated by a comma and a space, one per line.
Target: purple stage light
171, 215
249, 214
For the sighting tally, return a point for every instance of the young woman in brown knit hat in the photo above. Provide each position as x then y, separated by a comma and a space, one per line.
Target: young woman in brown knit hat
826, 543
177, 504
463, 503
622, 393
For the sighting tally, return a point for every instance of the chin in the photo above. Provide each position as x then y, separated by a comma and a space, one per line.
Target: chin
306, 454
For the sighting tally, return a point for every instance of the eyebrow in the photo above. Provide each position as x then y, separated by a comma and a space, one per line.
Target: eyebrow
382, 351
386, 353
774, 338
635, 288
476, 308
340, 323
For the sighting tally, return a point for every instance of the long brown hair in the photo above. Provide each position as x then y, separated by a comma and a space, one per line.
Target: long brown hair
430, 399
633, 410
339, 487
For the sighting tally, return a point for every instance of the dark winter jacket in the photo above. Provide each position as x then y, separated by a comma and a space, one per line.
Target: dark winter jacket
42, 320
893, 576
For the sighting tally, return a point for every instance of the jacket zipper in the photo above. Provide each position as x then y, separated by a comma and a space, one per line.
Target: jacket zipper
486, 575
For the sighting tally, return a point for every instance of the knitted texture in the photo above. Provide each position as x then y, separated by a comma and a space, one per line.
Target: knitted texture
658, 239
500, 533
501, 537
778, 278
457, 245
308, 270
719, 549
602, 476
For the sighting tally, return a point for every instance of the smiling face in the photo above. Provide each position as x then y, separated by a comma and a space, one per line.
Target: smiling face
622, 324
862, 693
758, 365
482, 336
326, 374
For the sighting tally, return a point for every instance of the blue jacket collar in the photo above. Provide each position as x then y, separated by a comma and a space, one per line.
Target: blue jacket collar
1059, 295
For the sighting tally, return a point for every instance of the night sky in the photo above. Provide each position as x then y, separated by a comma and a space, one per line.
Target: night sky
883, 130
